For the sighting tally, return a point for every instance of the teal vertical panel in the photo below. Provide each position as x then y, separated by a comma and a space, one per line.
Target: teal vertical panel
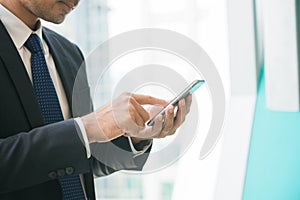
273, 168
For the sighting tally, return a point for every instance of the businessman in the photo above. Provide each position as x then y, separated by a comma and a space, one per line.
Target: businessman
45, 149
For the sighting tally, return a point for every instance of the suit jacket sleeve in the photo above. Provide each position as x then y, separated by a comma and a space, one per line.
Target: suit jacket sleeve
114, 156
40, 155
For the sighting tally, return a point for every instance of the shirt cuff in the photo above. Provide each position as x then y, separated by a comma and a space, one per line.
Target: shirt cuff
136, 152
84, 136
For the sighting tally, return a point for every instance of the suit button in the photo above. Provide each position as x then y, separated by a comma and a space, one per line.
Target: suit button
69, 170
61, 172
52, 175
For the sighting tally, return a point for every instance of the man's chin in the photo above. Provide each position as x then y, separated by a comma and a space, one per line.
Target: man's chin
56, 20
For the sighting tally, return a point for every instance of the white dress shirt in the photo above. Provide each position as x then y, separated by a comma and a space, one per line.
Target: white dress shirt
19, 33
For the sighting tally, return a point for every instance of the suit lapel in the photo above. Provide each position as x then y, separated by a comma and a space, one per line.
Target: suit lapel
16, 69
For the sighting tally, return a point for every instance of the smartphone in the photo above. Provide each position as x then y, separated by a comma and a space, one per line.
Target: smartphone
184, 93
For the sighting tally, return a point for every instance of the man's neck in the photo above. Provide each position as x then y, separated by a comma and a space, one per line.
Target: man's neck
21, 12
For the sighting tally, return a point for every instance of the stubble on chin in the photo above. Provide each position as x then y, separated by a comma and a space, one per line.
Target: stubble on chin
54, 14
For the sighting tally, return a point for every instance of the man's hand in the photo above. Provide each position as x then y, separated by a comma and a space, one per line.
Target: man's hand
171, 122
124, 115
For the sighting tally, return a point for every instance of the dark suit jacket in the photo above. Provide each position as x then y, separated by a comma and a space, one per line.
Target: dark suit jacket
32, 155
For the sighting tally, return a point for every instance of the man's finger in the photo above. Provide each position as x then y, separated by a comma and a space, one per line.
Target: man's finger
188, 102
180, 115
146, 99
140, 110
168, 122
134, 115
158, 125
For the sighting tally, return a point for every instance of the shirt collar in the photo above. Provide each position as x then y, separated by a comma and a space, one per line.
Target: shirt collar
18, 31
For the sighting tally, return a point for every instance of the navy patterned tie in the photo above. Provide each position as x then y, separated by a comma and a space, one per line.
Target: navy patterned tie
47, 98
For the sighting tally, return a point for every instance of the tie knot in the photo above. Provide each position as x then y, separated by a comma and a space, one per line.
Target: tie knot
33, 44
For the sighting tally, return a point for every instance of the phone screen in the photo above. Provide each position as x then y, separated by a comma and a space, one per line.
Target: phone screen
184, 93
